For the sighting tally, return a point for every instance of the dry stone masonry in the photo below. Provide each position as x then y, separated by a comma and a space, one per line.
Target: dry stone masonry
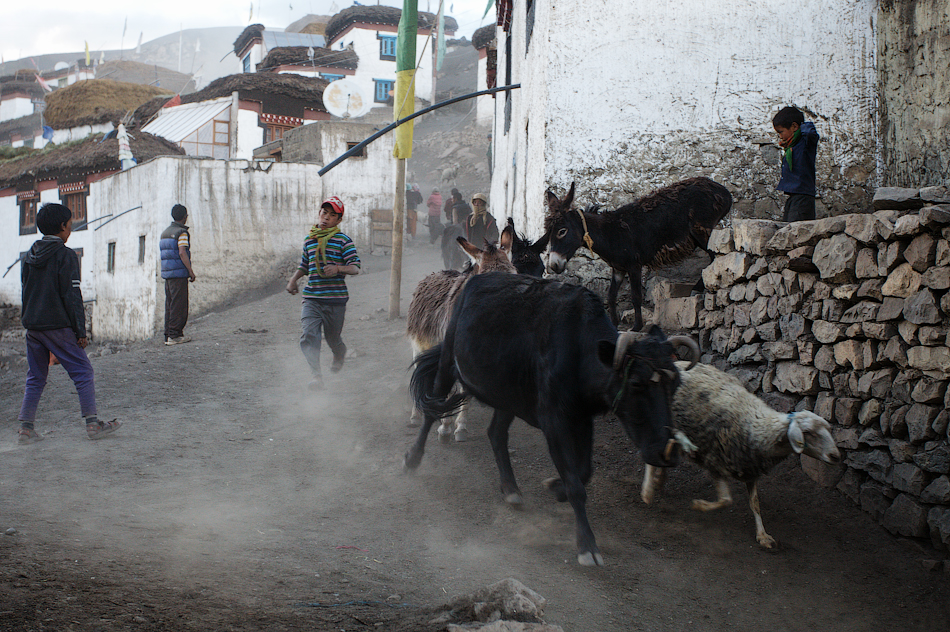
847, 316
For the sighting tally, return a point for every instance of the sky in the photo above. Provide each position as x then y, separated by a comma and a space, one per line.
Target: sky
63, 26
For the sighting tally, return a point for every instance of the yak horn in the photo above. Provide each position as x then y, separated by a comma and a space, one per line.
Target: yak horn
688, 343
625, 339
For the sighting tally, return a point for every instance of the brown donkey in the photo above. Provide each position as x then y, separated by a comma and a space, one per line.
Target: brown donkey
431, 309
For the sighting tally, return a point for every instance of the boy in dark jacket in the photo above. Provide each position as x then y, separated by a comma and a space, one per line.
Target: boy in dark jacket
55, 322
798, 139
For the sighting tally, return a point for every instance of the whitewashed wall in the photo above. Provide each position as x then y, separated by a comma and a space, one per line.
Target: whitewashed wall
484, 106
366, 46
248, 220
250, 135
656, 93
15, 108
12, 243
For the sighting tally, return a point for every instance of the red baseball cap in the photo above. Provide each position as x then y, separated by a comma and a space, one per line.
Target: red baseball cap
334, 203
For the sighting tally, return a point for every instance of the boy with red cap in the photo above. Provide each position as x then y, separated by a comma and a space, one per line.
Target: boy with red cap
328, 256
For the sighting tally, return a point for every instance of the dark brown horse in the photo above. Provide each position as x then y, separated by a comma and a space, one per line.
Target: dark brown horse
654, 231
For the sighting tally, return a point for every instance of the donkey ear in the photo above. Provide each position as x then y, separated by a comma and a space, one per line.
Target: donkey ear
552, 200
469, 248
569, 198
539, 246
507, 238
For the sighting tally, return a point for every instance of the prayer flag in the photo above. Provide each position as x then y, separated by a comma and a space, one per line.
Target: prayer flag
87, 54
138, 49
45, 85
405, 98
125, 26
491, 3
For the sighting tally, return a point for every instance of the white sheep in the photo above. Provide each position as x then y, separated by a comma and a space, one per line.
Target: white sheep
732, 433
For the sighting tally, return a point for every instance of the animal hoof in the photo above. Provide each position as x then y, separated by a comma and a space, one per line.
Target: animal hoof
766, 541
647, 498
445, 437
590, 559
701, 505
410, 462
556, 486
515, 500
461, 435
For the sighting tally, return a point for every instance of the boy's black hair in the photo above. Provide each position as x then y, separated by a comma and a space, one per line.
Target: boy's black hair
51, 217
786, 116
179, 212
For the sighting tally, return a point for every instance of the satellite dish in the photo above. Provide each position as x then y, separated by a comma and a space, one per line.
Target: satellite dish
344, 98
61, 65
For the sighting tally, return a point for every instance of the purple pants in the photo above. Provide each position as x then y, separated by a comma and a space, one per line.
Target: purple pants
61, 343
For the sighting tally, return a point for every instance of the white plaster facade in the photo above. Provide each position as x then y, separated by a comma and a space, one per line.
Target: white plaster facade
247, 219
12, 244
15, 106
658, 92
484, 106
365, 42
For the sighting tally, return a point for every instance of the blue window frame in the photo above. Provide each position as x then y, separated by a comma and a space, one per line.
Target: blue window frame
330, 77
247, 63
383, 88
387, 46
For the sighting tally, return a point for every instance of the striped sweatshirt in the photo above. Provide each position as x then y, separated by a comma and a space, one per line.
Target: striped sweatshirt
340, 251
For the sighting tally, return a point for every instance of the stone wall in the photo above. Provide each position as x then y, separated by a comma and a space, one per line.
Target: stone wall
847, 316
913, 57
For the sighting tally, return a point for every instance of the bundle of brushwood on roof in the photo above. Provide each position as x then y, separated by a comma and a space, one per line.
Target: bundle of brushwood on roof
380, 15
250, 85
484, 37
300, 56
247, 35
90, 155
95, 102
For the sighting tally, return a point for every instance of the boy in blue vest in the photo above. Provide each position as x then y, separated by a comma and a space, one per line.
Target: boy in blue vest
328, 256
175, 247
798, 139
55, 323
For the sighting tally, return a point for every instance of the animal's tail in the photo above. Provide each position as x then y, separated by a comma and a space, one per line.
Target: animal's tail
431, 399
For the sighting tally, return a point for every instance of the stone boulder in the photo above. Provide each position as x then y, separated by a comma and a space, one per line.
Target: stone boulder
897, 198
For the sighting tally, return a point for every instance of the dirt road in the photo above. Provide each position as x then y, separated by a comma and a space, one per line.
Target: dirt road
233, 499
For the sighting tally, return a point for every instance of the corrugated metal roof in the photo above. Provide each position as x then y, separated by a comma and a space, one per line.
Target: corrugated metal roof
176, 123
279, 39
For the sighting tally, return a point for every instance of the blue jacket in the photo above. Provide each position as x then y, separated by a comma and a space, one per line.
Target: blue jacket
172, 265
801, 177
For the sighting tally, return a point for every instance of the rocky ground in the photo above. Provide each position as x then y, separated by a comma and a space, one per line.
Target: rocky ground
234, 499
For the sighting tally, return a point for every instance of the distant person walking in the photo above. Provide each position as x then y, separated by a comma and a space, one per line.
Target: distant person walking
328, 256
55, 323
175, 248
435, 215
413, 200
